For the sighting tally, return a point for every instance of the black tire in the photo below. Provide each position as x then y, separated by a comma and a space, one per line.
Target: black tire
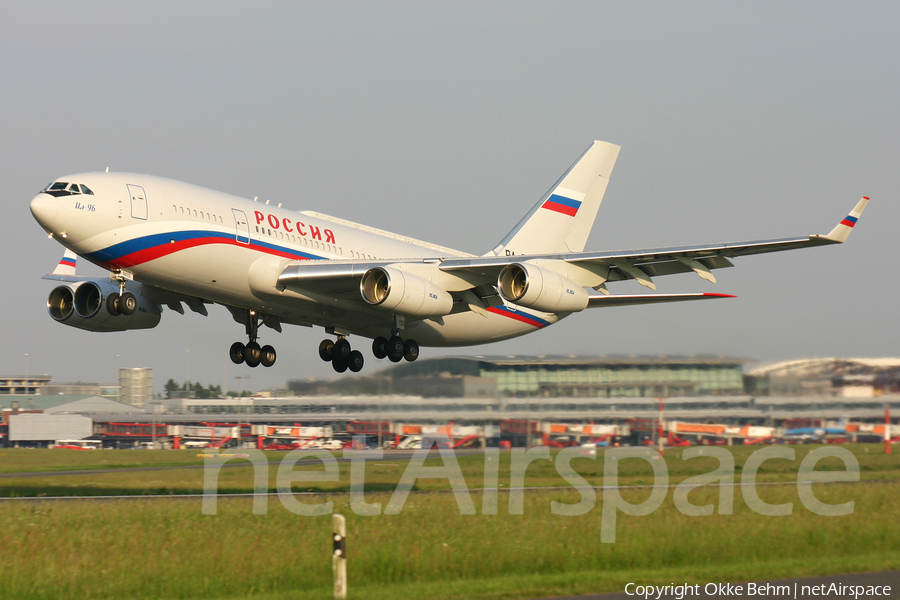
395, 348
112, 304
236, 353
252, 354
267, 356
127, 303
355, 361
379, 347
341, 350
325, 347
339, 365
410, 350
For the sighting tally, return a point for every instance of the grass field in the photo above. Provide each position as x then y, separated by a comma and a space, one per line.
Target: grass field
151, 548
380, 476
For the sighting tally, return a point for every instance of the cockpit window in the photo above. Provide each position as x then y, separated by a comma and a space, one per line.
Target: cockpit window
64, 188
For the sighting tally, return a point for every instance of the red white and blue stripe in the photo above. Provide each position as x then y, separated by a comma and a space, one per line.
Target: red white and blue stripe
519, 316
561, 204
850, 221
67, 262
150, 247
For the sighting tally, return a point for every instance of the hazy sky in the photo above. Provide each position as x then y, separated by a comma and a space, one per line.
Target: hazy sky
447, 122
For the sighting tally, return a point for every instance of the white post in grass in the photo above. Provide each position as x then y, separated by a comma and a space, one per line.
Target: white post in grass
339, 555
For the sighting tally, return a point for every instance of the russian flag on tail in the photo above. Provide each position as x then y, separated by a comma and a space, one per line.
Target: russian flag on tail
565, 201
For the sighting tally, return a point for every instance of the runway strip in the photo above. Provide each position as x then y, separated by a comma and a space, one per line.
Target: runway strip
794, 586
388, 455
598, 488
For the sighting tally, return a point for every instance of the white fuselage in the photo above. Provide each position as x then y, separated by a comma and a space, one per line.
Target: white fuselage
229, 250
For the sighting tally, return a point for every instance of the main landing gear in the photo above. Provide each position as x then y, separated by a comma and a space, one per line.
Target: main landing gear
341, 355
395, 349
251, 353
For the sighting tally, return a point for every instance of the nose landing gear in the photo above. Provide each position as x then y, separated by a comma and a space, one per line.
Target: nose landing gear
121, 302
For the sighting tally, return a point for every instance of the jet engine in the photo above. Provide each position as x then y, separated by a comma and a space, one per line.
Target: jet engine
86, 305
531, 286
401, 292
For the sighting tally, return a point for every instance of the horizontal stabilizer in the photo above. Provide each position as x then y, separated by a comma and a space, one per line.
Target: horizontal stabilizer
598, 300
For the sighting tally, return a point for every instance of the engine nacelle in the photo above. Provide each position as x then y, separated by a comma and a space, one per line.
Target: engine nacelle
534, 287
404, 293
83, 305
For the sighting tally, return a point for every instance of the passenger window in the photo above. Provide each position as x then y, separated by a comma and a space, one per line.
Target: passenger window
182, 210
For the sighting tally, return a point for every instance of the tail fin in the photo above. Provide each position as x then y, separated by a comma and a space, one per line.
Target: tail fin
562, 220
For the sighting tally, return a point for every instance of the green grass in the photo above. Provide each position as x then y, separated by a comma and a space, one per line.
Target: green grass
380, 476
141, 549
26, 460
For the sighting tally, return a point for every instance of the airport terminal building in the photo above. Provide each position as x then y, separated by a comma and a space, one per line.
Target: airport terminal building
499, 394
550, 376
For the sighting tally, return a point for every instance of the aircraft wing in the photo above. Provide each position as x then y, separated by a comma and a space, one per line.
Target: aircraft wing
643, 265
472, 279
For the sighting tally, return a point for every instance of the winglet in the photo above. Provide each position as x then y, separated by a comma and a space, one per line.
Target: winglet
842, 231
66, 265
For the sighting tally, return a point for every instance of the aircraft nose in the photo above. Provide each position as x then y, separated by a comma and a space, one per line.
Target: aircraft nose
44, 208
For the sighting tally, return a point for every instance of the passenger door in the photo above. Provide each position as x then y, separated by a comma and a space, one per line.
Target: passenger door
241, 226
138, 202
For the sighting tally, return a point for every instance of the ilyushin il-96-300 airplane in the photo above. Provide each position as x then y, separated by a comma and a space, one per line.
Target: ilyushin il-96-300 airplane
167, 243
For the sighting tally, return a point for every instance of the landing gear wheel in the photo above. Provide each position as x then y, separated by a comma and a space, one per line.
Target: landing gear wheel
339, 365
379, 347
355, 361
252, 354
395, 348
410, 350
341, 350
127, 303
325, 348
236, 353
112, 303
267, 356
